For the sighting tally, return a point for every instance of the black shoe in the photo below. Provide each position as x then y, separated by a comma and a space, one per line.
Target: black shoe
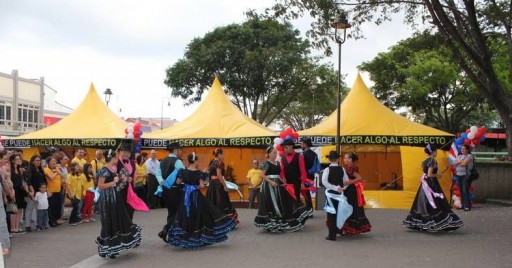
162, 235
330, 238
53, 224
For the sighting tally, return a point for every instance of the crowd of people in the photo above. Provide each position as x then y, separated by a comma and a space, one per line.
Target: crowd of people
34, 193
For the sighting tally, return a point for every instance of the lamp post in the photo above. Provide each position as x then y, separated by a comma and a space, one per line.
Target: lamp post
162, 114
340, 25
108, 94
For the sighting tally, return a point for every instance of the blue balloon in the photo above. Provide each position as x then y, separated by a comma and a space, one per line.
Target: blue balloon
482, 138
288, 137
459, 141
471, 195
459, 148
464, 135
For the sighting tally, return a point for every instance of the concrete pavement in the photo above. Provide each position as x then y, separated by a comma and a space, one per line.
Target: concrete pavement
484, 241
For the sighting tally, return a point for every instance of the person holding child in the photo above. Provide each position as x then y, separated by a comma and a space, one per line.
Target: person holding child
75, 189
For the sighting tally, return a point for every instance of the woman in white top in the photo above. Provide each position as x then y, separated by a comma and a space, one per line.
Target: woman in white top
463, 164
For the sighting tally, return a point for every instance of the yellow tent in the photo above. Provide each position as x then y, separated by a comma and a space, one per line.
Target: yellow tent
91, 125
217, 122
390, 147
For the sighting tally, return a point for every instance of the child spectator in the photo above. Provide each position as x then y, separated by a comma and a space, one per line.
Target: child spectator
41, 198
75, 190
88, 184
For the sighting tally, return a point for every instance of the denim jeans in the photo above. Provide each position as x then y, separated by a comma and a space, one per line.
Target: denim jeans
464, 184
42, 218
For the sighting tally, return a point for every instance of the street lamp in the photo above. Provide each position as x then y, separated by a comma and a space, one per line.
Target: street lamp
340, 24
108, 94
162, 114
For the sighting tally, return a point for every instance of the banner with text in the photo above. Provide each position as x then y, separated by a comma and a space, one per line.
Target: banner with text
439, 141
253, 142
86, 143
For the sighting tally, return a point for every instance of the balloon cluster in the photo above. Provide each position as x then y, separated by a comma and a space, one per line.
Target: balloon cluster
133, 131
472, 137
456, 197
287, 134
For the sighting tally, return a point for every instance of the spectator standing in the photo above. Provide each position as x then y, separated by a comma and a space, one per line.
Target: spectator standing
35, 176
254, 180
152, 165
41, 198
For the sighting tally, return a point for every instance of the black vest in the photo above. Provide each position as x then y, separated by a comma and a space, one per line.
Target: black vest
335, 175
292, 169
167, 166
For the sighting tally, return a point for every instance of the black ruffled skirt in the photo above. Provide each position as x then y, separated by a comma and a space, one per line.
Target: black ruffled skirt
220, 198
424, 217
357, 223
278, 212
198, 223
118, 233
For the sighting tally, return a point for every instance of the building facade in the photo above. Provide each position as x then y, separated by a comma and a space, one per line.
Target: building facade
27, 105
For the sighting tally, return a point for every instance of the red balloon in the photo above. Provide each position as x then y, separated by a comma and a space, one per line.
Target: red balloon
136, 127
136, 134
279, 148
467, 141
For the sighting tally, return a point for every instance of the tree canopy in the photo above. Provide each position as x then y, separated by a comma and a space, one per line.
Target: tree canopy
263, 65
417, 73
470, 29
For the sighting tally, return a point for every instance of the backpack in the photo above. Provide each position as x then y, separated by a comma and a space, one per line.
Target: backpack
473, 173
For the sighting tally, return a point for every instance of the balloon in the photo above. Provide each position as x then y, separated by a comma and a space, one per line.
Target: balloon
1, 147
459, 141
136, 127
464, 135
289, 137
473, 129
136, 140
471, 135
456, 203
130, 130
278, 140
459, 148
482, 138
131, 124
467, 141
129, 135
471, 195
475, 141
136, 134
125, 131
279, 148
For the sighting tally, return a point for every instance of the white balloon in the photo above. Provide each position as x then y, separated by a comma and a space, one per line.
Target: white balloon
278, 141
473, 129
131, 124
1, 147
130, 130
471, 135
129, 135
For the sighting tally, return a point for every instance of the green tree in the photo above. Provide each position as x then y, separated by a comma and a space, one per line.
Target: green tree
469, 28
263, 65
417, 73
314, 104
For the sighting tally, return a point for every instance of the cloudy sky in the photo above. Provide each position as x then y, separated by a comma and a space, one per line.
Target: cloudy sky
126, 45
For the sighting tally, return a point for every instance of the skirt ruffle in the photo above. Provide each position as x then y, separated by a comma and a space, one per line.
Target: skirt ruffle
113, 245
424, 217
278, 212
203, 224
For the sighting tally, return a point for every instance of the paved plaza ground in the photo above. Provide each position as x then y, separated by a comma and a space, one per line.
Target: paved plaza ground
484, 241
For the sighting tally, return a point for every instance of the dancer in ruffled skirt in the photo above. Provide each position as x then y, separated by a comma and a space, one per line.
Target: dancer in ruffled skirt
118, 233
430, 211
197, 222
278, 211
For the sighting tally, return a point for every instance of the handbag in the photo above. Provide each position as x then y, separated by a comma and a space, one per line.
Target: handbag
473, 174
11, 207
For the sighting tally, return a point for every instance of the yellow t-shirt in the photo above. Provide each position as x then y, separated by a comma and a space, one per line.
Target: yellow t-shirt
142, 173
81, 162
54, 184
97, 165
254, 176
87, 184
75, 185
